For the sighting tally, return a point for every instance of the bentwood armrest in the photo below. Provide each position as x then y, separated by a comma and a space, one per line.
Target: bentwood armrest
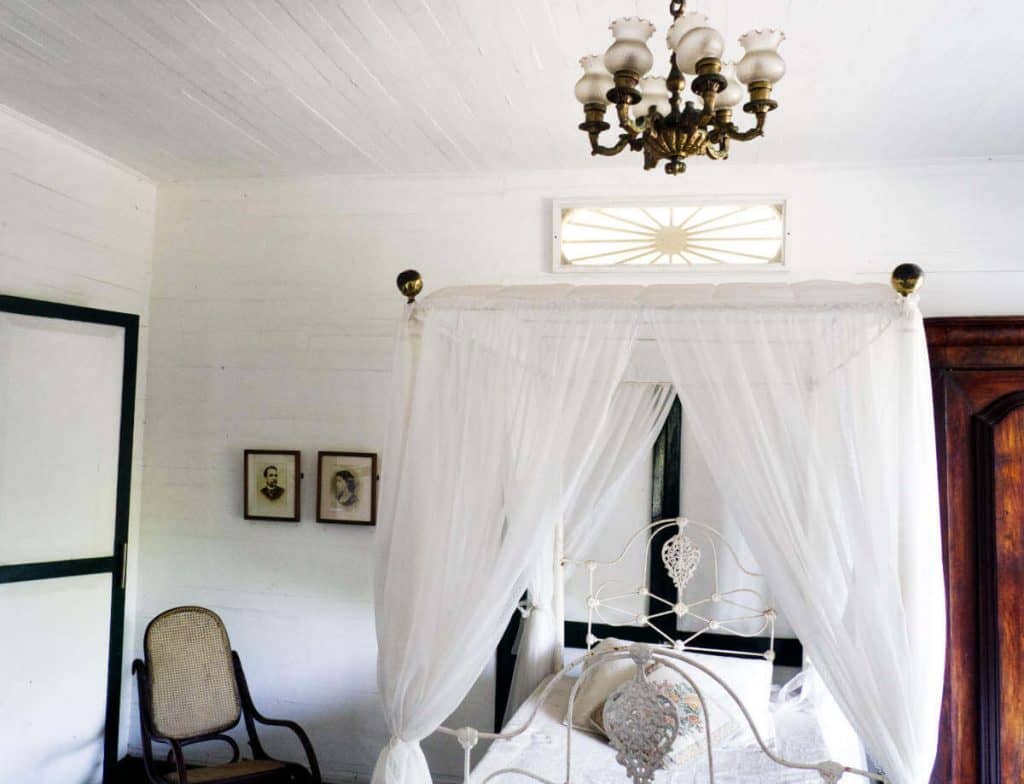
252, 715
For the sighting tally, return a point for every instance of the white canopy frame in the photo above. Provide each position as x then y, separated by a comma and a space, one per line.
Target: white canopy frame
814, 403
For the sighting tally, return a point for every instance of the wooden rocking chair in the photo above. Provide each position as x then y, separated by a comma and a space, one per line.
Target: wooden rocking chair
192, 689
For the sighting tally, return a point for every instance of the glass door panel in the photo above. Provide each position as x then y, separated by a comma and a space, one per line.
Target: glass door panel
60, 408
54, 669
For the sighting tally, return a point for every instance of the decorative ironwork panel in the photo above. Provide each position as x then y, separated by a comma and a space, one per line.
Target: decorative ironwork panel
681, 557
642, 723
699, 235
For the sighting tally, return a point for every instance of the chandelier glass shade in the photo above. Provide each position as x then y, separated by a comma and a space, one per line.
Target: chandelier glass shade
652, 115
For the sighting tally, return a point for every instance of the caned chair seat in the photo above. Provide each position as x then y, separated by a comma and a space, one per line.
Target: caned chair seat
230, 771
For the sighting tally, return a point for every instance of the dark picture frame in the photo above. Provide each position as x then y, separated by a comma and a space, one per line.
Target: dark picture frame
259, 501
341, 482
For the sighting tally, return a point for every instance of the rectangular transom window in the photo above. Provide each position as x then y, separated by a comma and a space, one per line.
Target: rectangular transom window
676, 235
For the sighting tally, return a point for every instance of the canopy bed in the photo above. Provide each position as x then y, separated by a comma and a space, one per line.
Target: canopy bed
515, 409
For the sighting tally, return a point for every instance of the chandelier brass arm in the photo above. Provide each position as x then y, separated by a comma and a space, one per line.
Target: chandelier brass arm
732, 132
599, 149
651, 112
718, 150
628, 124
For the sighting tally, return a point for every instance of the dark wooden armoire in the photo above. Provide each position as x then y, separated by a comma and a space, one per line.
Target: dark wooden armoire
978, 382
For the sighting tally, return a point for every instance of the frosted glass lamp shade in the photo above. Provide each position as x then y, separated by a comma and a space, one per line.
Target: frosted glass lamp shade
595, 83
695, 45
681, 26
630, 52
734, 92
654, 92
762, 62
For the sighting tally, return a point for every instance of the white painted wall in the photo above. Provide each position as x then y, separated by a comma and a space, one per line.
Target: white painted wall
272, 314
76, 227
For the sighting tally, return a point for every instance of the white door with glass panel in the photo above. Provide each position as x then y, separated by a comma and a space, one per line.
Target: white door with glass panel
66, 405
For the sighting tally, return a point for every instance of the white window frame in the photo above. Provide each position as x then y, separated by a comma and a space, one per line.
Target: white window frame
559, 205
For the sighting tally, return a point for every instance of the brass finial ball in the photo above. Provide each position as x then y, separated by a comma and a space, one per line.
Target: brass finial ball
907, 278
410, 283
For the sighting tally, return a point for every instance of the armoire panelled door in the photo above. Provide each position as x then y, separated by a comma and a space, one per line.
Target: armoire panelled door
67, 403
978, 383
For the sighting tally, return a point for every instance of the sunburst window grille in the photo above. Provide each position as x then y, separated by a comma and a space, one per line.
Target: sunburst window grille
676, 236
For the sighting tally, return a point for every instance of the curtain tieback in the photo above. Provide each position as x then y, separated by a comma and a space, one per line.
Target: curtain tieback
526, 609
401, 762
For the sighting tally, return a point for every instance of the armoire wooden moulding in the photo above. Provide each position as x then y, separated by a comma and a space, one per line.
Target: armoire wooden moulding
978, 383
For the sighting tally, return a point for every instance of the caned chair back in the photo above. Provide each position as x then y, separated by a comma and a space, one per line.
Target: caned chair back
192, 686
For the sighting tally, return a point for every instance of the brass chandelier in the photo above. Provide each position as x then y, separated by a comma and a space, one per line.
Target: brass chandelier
658, 125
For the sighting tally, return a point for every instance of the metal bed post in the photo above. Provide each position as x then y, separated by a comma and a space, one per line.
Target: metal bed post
410, 283
558, 601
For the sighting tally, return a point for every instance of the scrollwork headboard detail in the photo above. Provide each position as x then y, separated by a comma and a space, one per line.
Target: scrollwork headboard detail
680, 556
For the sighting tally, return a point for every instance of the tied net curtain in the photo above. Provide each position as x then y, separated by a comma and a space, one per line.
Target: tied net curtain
816, 423
626, 435
493, 418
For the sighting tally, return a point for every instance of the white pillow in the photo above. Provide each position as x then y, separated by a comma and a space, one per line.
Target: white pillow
749, 678
692, 739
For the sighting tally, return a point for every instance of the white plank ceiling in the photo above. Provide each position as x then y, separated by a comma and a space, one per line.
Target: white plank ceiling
182, 89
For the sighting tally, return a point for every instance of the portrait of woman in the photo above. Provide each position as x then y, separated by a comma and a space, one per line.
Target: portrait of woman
347, 488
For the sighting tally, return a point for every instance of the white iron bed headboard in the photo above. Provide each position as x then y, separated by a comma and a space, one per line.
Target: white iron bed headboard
681, 554
641, 723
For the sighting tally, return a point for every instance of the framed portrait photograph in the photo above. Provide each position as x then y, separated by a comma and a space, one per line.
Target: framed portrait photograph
272, 483
346, 488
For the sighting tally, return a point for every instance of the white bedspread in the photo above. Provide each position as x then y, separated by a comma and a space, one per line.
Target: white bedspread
541, 751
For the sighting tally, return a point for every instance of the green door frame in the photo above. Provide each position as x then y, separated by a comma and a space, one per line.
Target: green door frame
116, 563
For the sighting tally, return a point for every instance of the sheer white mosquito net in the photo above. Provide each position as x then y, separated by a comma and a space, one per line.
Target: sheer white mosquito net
811, 403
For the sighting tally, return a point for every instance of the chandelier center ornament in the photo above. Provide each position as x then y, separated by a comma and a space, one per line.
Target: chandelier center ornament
651, 113
681, 557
